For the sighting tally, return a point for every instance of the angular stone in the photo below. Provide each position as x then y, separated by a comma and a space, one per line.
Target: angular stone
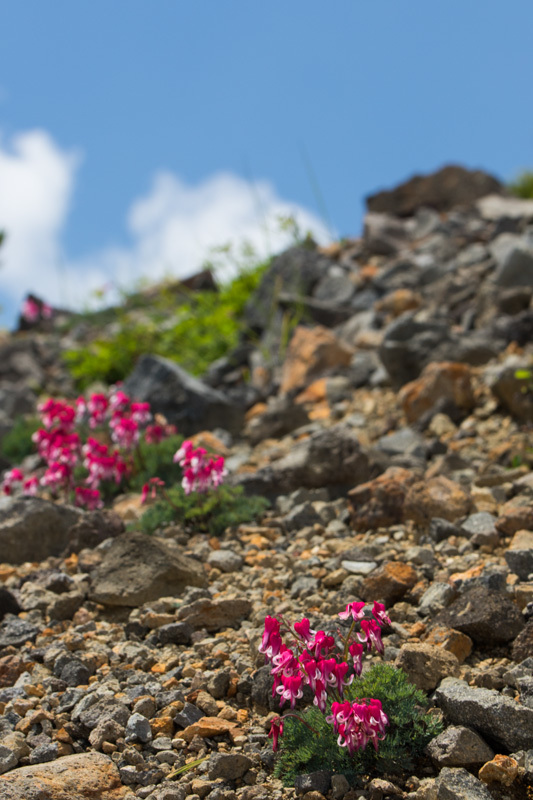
436, 497
454, 641
380, 502
523, 644
137, 568
225, 560
389, 582
444, 381
426, 665
206, 727
310, 353
480, 529
458, 784
15, 632
486, 617
32, 529
516, 268
214, 615
83, 776
502, 769
458, 746
519, 554
185, 401
228, 766
499, 718
515, 515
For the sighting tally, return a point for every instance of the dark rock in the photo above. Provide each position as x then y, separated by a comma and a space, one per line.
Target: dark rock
75, 673
523, 644
32, 529
188, 715
228, 766
137, 568
92, 528
175, 633
408, 346
8, 603
281, 417
440, 529
214, 615
516, 268
498, 719
15, 632
184, 400
458, 746
487, 617
443, 190
512, 392
318, 781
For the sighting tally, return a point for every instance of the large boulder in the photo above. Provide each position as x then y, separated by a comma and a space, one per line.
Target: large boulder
443, 190
138, 568
32, 529
183, 399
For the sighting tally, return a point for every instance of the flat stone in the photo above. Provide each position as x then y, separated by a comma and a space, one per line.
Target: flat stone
32, 529
458, 746
359, 567
493, 715
206, 727
137, 568
228, 766
214, 615
83, 776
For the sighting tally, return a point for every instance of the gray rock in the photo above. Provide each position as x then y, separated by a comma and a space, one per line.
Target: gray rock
458, 746
106, 709
175, 633
214, 615
335, 287
107, 730
480, 528
304, 586
218, 684
458, 784
301, 516
435, 598
494, 206
138, 729
509, 389
409, 345
228, 766
188, 715
15, 632
519, 555
495, 716
318, 781
75, 673
137, 568
488, 617
330, 457
43, 753
440, 529
225, 560
281, 417
516, 268
8, 759
32, 529
405, 441
184, 400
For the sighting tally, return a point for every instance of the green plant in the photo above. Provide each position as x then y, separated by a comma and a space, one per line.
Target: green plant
194, 329
411, 728
212, 512
17, 444
522, 186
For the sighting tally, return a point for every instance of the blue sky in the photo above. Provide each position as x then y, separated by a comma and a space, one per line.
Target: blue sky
135, 135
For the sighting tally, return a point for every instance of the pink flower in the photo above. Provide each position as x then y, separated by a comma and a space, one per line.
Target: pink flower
290, 690
119, 401
12, 476
154, 434
378, 611
57, 475
356, 651
30, 311
125, 432
151, 487
89, 498
30, 486
140, 412
371, 635
97, 405
276, 731
46, 311
355, 610
271, 640
322, 642
303, 630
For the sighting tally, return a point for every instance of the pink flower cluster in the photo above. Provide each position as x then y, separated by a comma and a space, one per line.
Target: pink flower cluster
200, 473
60, 445
33, 310
315, 661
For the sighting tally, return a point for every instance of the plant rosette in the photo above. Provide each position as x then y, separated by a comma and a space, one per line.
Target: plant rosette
316, 660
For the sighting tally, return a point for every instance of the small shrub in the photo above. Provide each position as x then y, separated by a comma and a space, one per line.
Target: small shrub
522, 186
212, 512
410, 729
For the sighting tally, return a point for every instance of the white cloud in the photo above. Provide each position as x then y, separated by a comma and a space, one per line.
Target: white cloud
172, 228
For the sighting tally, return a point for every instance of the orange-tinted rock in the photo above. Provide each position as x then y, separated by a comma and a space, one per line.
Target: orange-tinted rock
389, 582
449, 639
316, 392
207, 727
426, 665
502, 769
398, 301
439, 381
515, 515
83, 776
437, 497
10, 668
380, 502
311, 352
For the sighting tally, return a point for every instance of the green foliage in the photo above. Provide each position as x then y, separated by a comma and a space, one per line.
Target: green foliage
193, 329
522, 186
17, 444
212, 512
410, 730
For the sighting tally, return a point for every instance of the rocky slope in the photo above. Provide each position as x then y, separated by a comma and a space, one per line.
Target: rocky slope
392, 436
